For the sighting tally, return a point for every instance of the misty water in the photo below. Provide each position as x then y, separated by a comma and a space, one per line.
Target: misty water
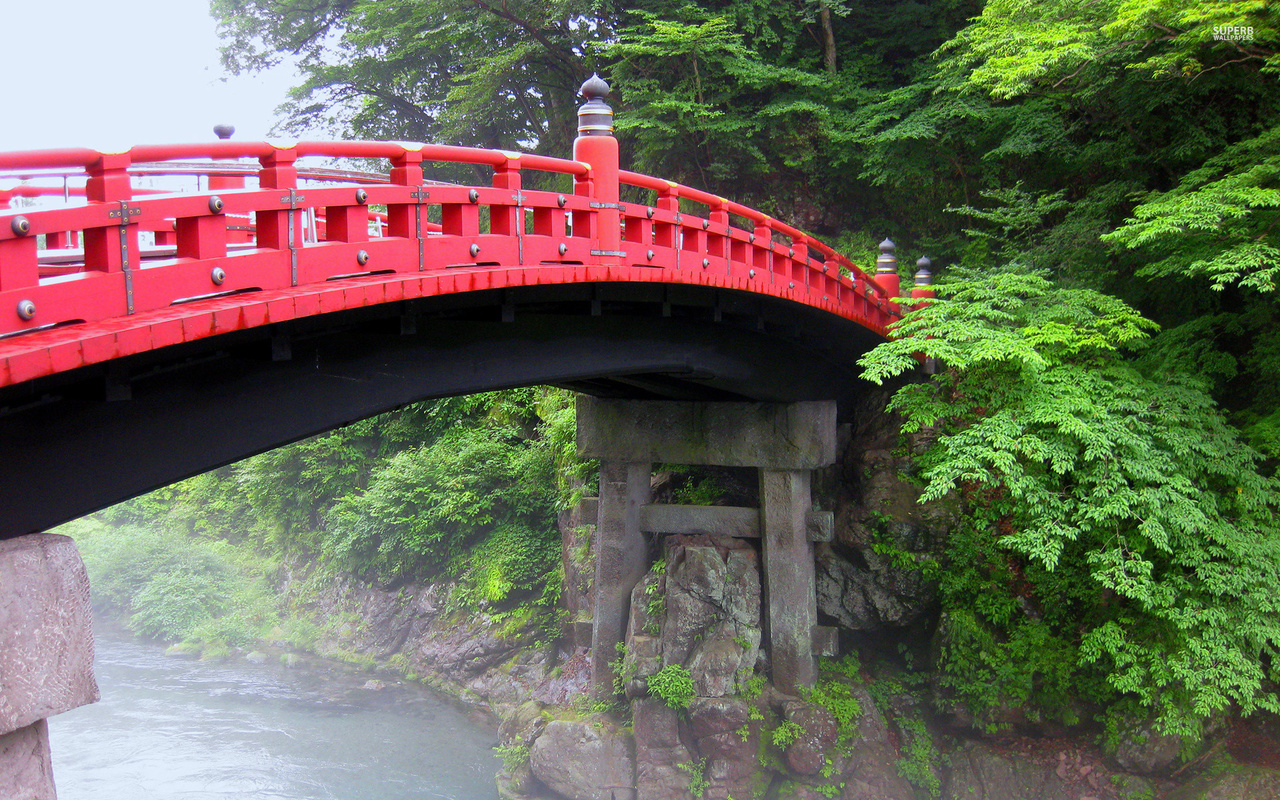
177, 729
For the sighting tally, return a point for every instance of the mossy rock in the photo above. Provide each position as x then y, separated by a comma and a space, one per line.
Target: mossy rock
1233, 782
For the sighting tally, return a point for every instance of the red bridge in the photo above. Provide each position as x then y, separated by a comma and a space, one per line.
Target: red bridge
146, 335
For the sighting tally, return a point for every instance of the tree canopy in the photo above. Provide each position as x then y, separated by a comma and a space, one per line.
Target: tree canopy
1108, 175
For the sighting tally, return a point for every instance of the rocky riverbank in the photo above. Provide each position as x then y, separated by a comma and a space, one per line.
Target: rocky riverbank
695, 715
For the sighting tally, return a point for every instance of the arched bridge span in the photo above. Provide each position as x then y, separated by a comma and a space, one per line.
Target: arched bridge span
148, 335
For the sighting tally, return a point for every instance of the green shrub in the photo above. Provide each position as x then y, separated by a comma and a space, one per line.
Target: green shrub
673, 685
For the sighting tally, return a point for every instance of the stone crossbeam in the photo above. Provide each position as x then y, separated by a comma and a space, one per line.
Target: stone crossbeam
768, 436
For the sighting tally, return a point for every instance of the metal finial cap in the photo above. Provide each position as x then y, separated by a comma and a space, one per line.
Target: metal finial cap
594, 88
595, 117
924, 276
224, 131
887, 261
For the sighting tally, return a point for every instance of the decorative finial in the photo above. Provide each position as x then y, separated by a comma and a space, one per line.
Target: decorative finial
224, 131
887, 261
594, 88
923, 276
595, 117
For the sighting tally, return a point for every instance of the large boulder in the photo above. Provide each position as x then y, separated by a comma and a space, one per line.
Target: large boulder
870, 771
873, 575
980, 772
589, 759
712, 615
1231, 783
725, 734
659, 752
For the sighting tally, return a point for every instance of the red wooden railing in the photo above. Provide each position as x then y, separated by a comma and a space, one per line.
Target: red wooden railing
79, 284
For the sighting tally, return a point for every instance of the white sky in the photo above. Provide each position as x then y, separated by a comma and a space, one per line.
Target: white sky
104, 74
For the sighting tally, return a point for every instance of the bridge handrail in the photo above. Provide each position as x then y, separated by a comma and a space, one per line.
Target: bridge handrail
85, 158
233, 256
665, 188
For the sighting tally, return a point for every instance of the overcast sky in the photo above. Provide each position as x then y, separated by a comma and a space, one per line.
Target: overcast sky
108, 75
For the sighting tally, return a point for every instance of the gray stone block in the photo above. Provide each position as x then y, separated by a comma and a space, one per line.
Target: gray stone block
25, 769
769, 436
743, 523
46, 632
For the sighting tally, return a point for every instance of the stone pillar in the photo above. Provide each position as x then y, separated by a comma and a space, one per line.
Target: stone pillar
621, 561
785, 501
46, 655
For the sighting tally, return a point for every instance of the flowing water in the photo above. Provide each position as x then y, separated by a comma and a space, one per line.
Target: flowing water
176, 729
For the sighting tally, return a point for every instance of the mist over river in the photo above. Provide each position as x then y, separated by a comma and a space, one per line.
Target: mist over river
177, 729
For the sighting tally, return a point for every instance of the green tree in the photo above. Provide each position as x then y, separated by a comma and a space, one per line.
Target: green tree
1123, 520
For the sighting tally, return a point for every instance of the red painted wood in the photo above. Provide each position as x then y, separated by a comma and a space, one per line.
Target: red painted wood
491, 237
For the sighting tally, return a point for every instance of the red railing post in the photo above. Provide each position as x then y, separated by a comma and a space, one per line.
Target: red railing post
280, 229
405, 220
886, 276
507, 220
114, 248
596, 146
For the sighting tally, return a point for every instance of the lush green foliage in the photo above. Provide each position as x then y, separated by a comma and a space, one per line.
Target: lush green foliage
1085, 161
673, 685
464, 489
1119, 530
168, 585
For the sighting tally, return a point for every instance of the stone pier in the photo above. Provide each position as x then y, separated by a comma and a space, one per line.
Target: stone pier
785, 442
46, 655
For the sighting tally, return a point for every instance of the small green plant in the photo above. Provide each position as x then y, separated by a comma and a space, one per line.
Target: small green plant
673, 685
698, 782
753, 687
514, 756
656, 604
839, 701
744, 732
919, 756
786, 734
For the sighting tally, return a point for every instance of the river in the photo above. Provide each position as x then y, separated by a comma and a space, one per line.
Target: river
177, 729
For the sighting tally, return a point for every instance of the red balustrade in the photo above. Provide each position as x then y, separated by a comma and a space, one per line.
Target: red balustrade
80, 284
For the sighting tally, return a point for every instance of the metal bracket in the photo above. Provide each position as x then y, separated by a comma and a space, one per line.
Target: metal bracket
293, 199
519, 198
419, 195
618, 253
618, 206
125, 214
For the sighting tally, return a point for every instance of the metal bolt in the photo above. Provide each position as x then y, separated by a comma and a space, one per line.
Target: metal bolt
20, 226
751, 238
825, 268
362, 257
563, 248
362, 196
560, 201
215, 204
649, 255
791, 251
218, 275
26, 309
473, 196
650, 213
706, 223
706, 262
791, 285
475, 250
751, 273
